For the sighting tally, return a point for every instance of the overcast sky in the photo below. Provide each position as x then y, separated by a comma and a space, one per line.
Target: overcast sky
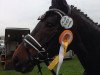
24, 13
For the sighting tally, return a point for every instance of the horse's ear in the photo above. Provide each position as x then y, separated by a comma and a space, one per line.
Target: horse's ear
60, 4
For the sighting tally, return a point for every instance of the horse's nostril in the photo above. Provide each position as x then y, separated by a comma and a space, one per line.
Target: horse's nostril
23, 69
17, 64
16, 61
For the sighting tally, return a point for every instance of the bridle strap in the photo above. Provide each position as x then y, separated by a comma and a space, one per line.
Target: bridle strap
29, 40
43, 49
57, 11
61, 13
69, 10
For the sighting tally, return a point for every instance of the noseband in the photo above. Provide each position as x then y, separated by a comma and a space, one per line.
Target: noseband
34, 44
31, 41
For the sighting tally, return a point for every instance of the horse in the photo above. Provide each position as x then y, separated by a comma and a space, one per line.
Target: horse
43, 41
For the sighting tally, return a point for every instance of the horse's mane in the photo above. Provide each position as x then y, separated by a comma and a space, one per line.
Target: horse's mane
79, 10
86, 18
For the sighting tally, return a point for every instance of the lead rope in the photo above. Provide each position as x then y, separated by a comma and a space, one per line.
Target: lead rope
65, 39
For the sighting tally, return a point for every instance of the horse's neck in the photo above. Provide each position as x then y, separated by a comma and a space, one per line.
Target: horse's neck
86, 28
88, 49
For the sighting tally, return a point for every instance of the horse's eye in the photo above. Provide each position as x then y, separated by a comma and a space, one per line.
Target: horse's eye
49, 24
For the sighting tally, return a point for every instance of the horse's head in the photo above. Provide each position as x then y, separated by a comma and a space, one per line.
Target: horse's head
43, 41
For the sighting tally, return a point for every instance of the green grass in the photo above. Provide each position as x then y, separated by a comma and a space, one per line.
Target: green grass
69, 67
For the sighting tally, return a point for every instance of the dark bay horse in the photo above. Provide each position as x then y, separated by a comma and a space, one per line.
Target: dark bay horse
44, 39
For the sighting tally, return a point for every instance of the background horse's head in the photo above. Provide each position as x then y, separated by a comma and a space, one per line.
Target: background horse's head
43, 40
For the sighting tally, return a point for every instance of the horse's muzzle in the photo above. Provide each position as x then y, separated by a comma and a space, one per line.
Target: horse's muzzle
22, 66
